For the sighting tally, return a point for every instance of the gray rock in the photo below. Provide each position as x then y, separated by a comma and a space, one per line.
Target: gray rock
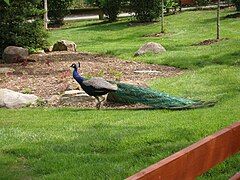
14, 54
74, 97
64, 45
12, 99
4, 70
150, 47
48, 49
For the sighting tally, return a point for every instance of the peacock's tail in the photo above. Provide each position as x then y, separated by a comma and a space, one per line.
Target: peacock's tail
132, 94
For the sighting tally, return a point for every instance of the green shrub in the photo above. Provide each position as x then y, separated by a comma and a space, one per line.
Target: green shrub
21, 25
146, 10
170, 4
58, 9
78, 4
202, 2
237, 4
111, 8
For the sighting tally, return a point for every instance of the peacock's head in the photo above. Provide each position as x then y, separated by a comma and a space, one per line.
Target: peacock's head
75, 66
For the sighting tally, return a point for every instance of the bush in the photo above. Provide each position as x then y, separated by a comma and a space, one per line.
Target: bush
78, 4
237, 4
111, 8
146, 10
58, 9
202, 2
21, 25
170, 4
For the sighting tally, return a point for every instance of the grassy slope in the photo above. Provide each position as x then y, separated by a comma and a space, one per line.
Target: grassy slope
183, 30
70, 143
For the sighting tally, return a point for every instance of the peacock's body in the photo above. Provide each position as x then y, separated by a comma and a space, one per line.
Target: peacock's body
132, 94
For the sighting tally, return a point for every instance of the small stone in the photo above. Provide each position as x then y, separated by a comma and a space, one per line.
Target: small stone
54, 100
40, 52
147, 72
48, 49
72, 92
4, 70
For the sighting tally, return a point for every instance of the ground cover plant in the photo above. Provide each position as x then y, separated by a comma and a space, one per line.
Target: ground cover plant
113, 144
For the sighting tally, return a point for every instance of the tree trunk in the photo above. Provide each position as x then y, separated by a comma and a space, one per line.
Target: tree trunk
162, 17
45, 15
218, 20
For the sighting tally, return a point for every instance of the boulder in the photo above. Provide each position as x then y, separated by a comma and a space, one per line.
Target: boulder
64, 45
14, 54
12, 99
150, 47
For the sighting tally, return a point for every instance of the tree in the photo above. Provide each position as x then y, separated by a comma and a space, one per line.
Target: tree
218, 20
110, 8
146, 10
7, 1
237, 4
45, 14
162, 16
57, 10
17, 26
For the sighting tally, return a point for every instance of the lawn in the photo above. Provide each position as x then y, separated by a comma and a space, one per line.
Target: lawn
70, 143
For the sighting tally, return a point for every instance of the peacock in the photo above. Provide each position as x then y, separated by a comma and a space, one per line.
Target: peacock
95, 86
133, 94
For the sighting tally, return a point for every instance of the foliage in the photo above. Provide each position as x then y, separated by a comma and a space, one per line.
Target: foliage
58, 10
21, 25
146, 10
202, 2
78, 4
110, 7
170, 4
6, 1
237, 4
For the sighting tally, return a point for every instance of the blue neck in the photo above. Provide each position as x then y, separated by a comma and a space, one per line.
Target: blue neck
77, 77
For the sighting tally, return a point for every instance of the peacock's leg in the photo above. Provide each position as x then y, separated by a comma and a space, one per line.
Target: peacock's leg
103, 99
98, 105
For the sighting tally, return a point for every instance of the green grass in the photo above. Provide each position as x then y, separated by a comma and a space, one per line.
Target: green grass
72, 143
183, 30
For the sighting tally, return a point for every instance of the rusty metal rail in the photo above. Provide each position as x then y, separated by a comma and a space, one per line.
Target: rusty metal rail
197, 158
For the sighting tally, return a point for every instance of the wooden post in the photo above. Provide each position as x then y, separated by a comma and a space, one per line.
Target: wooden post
162, 17
45, 15
218, 20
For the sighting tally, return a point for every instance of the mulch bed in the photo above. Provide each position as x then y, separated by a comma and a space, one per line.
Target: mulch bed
50, 74
209, 42
155, 35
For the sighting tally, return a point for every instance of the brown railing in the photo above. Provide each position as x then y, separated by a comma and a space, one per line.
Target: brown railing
197, 158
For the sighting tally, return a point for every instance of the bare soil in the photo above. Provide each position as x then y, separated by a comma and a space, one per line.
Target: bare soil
209, 42
50, 74
155, 35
